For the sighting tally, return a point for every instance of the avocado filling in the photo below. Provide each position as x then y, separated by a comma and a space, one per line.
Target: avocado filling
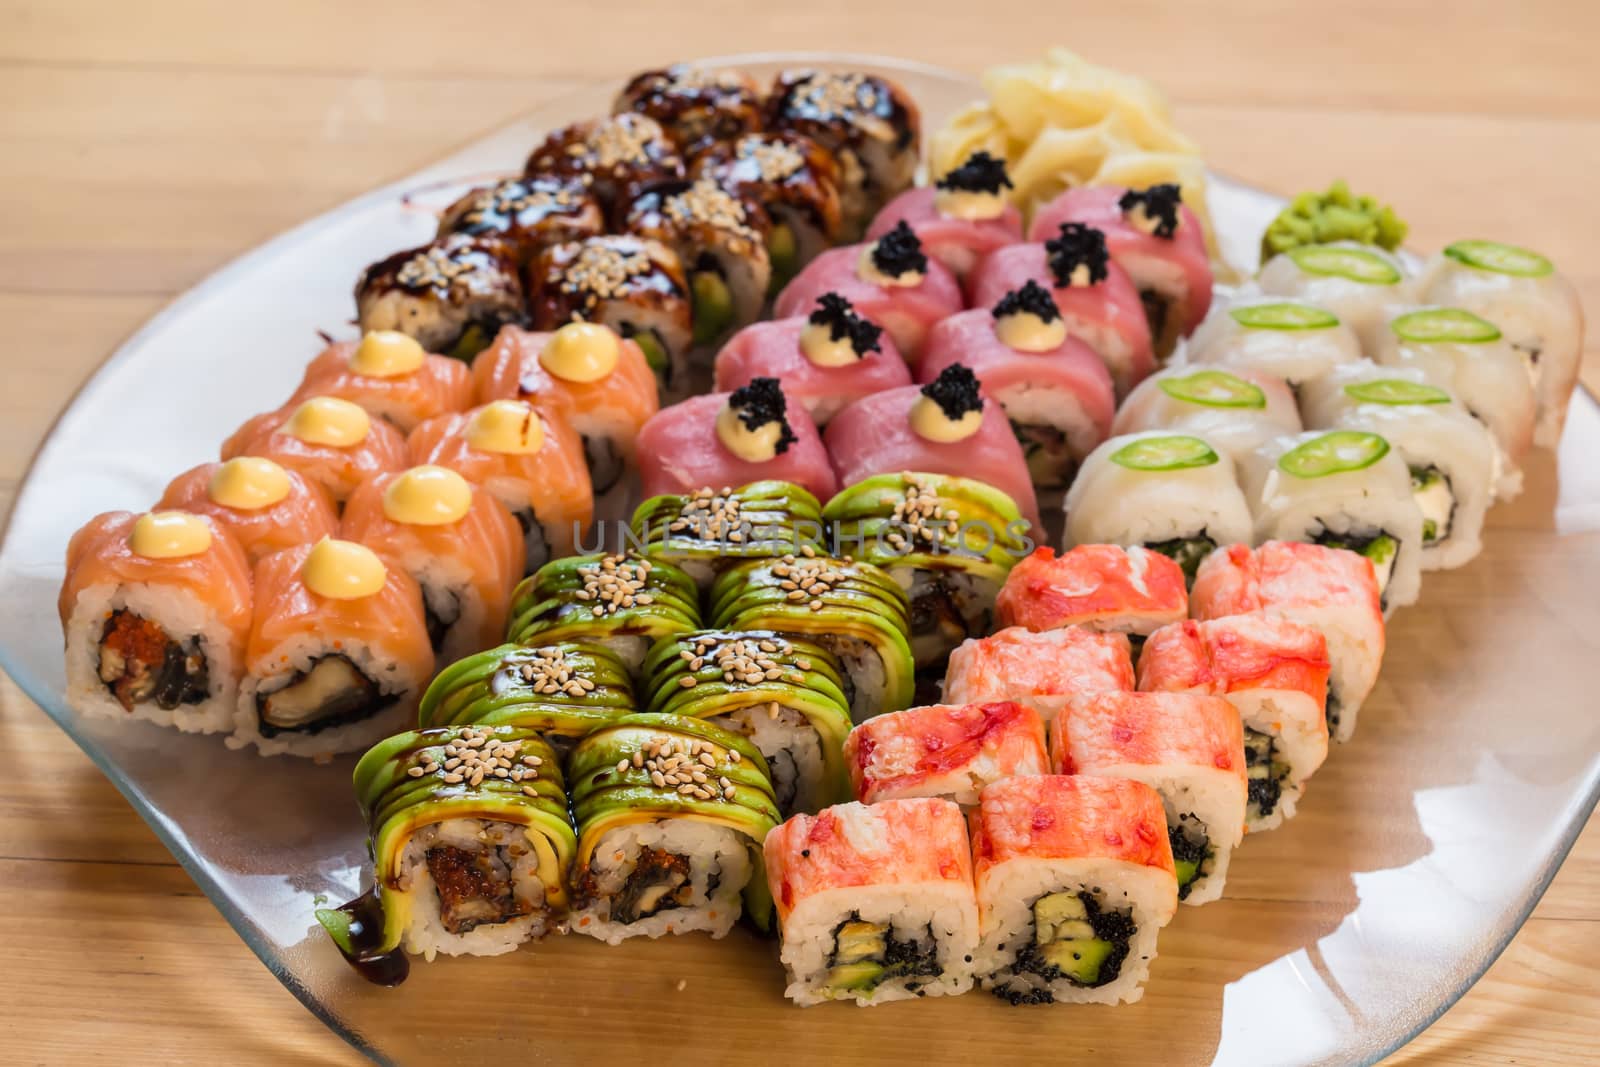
713, 305
865, 955
655, 352
1265, 773
474, 338
475, 887
1431, 489
1379, 546
659, 881
1048, 454
1186, 552
1191, 851
330, 692
784, 252
139, 663
1073, 939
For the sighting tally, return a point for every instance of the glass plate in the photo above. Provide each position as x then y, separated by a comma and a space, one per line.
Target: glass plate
1418, 851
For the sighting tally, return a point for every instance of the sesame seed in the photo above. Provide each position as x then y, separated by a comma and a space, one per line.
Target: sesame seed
774, 160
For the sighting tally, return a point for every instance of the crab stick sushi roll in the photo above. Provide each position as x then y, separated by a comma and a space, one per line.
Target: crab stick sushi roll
709, 530
695, 107
614, 157
827, 359
264, 506
875, 901
1331, 590
1187, 747
338, 653
390, 377
452, 295
784, 694
1234, 411
959, 219
1289, 339
1042, 670
944, 750
332, 443
156, 610
621, 601
1275, 673
1075, 879
671, 813
1100, 587
564, 690
1361, 285
526, 214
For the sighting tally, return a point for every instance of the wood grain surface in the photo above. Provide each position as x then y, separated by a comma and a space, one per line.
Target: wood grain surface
144, 145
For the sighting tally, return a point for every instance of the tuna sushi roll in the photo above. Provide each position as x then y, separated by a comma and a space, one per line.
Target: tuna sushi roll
526, 214
155, 609
1187, 747
1041, 670
1363, 286
961, 218
826, 360
452, 295
264, 506
614, 157
338, 652
1289, 339
1101, 587
875, 901
390, 377
1233, 411
1074, 880
709, 530
333, 443
944, 750
671, 813
695, 107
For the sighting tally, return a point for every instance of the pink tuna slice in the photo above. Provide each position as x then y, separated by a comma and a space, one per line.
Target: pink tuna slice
907, 312
772, 350
957, 243
679, 452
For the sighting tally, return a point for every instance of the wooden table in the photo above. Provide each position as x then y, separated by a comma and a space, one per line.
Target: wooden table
143, 145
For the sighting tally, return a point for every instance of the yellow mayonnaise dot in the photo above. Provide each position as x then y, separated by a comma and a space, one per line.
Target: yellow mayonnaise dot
752, 446
581, 352
169, 535
966, 204
509, 427
248, 483
929, 420
387, 354
343, 570
869, 272
427, 496
1027, 332
327, 420
818, 345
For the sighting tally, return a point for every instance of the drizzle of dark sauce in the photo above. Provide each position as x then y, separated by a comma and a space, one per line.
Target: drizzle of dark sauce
362, 944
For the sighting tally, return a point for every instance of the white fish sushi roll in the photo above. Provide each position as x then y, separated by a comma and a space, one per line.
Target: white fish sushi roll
1362, 285
1235, 410
1289, 339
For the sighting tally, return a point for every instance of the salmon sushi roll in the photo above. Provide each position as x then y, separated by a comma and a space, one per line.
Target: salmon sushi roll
389, 375
875, 901
1100, 587
613, 157
1363, 286
696, 107
1043, 671
264, 506
1294, 340
962, 217
332, 443
1234, 411
526, 214
452, 295
155, 609
944, 750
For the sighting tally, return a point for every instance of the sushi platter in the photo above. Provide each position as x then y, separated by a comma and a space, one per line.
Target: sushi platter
774, 535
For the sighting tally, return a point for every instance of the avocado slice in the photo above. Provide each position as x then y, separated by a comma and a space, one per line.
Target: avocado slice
713, 306
655, 353
784, 252
1080, 959
858, 941
861, 976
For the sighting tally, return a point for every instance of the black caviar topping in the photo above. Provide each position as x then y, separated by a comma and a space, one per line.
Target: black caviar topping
899, 252
981, 173
761, 402
1031, 299
1160, 203
1077, 245
955, 391
835, 312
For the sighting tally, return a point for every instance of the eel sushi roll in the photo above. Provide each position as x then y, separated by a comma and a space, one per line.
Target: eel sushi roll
948, 542
951, 751
1189, 748
890, 281
330, 442
870, 124
623, 602
1340, 489
1043, 670
826, 360
530, 462
1105, 588
728, 439
875, 901
695, 107
633, 285
1153, 236
1331, 590
1267, 335
1233, 411
470, 848
1451, 455
155, 609
852, 609
961, 218
946, 428
614, 157
1074, 879
1096, 298
390, 377
526, 214
1535, 307
1173, 493
786, 696
1361, 285
671, 813
1275, 673
456, 539
1055, 390
338, 653
452, 295
264, 506
709, 530
721, 242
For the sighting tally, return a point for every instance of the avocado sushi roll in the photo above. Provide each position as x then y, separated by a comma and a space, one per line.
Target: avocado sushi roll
709, 530
695, 107
452, 295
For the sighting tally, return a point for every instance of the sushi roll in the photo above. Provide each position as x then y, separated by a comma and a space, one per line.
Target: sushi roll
695, 107
1290, 339
890, 281
1042, 670
1055, 390
1361, 285
709, 530
471, 847
338, 653
962, 217
950, 751
1096, 298
1275, 673
1153, 236
1534, 306
330, 442
870, 124
526, 214
614, 157
852, 609
948, 542
826, 360
1187, 747
1104, 588
264, 506
1340, 489
727, 439
1331, 590
531, 463
1235, 411
875, 901
456, 539
783, 694
1074, 879
1173, 493
155, 609
671, 813
452, 295
390, 377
